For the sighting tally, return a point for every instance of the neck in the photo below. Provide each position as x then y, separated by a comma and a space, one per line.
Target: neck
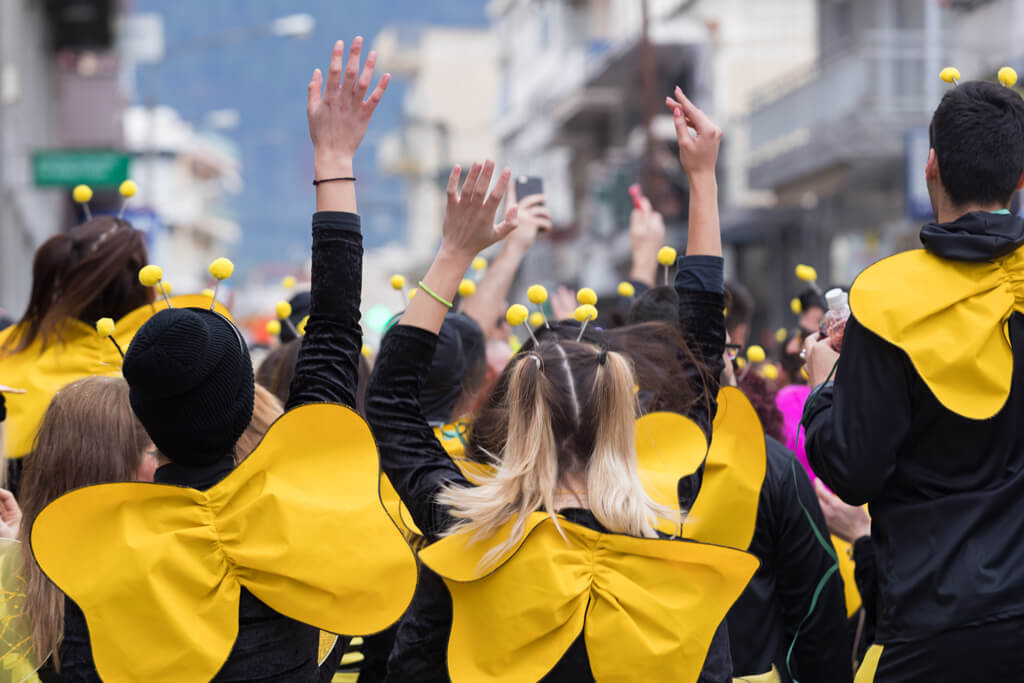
949, 213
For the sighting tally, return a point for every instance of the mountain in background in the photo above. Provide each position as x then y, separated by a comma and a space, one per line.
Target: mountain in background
265, 80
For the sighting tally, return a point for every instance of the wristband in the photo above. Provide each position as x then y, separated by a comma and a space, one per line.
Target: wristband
331, 180
436, 296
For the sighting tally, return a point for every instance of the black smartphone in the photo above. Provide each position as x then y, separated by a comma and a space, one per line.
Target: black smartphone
527, 185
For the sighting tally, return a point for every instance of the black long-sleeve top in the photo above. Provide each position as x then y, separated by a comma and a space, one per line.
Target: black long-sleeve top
271, 646
418, 467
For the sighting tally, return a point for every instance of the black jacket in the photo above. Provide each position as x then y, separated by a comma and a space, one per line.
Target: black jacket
418, 467
946, 493
270, 646
765, 619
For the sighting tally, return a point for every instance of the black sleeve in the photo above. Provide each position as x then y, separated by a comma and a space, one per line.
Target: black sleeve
76, 664
865, 573
410, 454
822, 651
856, 425
702, 319
327, 369
3, 408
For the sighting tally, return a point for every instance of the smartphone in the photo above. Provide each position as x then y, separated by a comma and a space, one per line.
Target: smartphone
527, 185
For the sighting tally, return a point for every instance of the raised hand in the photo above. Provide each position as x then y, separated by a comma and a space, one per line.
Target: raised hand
469, 225
533, 216
698, 152
646, 237
339, 113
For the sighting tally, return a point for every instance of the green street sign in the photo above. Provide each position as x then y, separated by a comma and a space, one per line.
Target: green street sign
69, 167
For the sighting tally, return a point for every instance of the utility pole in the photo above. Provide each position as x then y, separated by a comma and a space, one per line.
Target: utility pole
648, 84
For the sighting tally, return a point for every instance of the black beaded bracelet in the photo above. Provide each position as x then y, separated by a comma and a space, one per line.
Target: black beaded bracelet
331, 180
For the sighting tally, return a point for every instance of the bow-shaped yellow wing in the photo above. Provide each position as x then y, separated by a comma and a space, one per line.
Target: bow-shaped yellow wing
648, 608
950, 319
299, 523
670, 446
83, 353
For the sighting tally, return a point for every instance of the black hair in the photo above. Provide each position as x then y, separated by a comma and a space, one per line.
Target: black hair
811, 298
657, 304
977, 133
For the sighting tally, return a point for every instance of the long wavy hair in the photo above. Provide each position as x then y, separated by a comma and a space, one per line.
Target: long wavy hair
89, 435
87, 273
563, 412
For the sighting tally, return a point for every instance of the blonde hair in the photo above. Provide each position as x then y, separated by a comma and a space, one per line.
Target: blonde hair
563, 411
265, 409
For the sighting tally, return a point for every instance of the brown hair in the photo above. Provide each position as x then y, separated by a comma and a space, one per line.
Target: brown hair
87, 273
277, 371
266, 409
88, 435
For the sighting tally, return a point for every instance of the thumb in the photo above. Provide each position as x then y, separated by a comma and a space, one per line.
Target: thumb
313, 94
510, 223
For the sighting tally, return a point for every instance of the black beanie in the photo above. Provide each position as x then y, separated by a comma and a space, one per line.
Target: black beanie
191, 384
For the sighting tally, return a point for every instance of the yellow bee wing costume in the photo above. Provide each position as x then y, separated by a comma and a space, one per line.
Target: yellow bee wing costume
647, 608
42, 372
670, 446
18, 660
951, 323
299, 523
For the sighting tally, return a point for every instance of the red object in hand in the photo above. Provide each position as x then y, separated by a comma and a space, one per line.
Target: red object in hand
637, 193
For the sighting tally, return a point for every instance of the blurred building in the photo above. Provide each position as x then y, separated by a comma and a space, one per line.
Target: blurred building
581, 105
186, 178
59, 125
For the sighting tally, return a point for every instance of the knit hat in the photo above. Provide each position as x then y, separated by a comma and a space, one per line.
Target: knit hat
191, 384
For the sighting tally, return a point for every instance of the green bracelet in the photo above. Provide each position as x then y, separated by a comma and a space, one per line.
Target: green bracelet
435, 295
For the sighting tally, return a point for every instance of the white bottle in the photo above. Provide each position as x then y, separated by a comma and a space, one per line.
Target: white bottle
838, 313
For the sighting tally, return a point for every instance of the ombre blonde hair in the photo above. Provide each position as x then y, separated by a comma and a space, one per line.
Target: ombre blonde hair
562, 412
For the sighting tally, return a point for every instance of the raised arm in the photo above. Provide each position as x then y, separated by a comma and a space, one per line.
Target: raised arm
699, 279
327, 366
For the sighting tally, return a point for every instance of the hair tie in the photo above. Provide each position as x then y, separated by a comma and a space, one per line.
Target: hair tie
602, 357
536, 359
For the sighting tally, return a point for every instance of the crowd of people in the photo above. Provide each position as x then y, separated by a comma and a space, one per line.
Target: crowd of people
604, 490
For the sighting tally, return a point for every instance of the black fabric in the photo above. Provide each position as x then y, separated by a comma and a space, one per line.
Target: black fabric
270, 646
3, 408
418, 467
764, 620
190, 384
460, 352
199, 477
865, 574
975, 236
975, 654
946, 493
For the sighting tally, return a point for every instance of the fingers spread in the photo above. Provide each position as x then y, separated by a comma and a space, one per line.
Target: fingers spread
352, 68
510, 223
471, 178
366, 77
377, 94
334, 70
453, 184
498, 193
483, 182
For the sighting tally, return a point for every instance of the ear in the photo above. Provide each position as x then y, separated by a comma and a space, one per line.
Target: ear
931, 168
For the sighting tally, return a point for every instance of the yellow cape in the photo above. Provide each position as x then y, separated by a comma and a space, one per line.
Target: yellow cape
647, 608
950, 319
83, 353
299, 523
670, 446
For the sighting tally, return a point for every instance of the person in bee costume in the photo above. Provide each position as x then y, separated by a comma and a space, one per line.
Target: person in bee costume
921, 419
222, 572
551, 567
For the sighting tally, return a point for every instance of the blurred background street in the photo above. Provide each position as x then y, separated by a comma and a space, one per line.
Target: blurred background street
824, 105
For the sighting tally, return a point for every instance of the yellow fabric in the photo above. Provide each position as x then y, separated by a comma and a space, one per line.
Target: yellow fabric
770, 677
326, 646
670, 446
846, 567
950, 319
83, 353
298, 523
648, 608
18, 661
868, 668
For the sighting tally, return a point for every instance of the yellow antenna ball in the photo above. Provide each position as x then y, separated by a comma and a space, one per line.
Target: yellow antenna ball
128, 189
781, 334
537, 294
803, 372
587, 296
585, 312
208, 292
273, 327
222, 268
666, 256
741, 363
479, 263
82, 194
288, 282
756, 354
166, 288
1007, 76
806, 273
536, 319
397, 282
627, 289
796, 306
516, 315
467, 288
283, 309
150, 275
366, 351
105, 327
950, 74
770, 372
412, 293
301, 327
